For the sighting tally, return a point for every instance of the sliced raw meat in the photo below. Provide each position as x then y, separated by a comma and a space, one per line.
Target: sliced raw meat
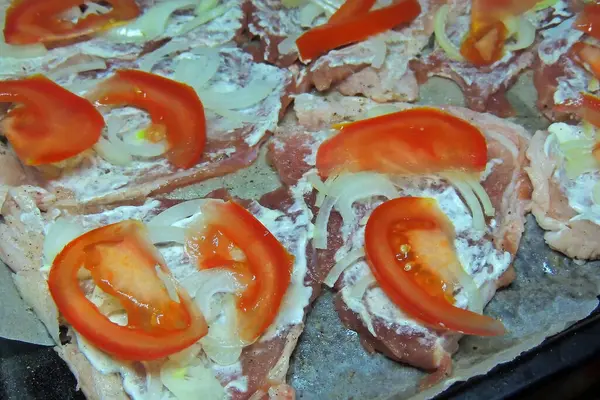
558, 79
376, 68
361, 304
261, 368
484, 88
219, 31
564, 207
252, 97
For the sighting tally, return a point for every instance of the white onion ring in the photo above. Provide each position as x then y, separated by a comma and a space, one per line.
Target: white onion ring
441, 37
525, 35
60, 233
196, 74
166, 234
488, 207
92, 65
147, 62
309, 13
204, 285
202, 19
380, 50
471, 200
111, 152
339, 267
249, 95
178, 212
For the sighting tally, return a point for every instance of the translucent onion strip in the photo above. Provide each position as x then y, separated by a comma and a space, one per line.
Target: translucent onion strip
91, 65
341, 266
471, 200
166, 234
288, 45
256, 91
309, 13
204, 18
380, 51
525, 35
361, 285
168, 283
111, 152
150, 25
147, 62
197, 73
441, 36
178, 212
488, 207
60, 233
349, 188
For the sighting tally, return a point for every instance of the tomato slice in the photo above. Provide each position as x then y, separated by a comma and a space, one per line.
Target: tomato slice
124, 263
589, 109
410, 250
419, 140
46, 21
40, 128
350, 9
228, 236
171, 104
588, 20
350, 30
484, 44
588, 56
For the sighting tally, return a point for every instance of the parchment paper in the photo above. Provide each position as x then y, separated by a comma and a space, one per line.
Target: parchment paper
550, 294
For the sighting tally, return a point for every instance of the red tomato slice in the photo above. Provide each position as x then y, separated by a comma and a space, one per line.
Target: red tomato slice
588, 20
44, 21
350, 9
588, 56
589, 109
408, 242
123, 262
484, 43
171, 104
420, 140
265, 267
350, 30
40, 128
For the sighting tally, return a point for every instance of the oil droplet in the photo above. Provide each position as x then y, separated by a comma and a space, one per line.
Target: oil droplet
408, 267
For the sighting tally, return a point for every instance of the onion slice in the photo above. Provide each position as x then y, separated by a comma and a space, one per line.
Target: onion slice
349, 188
203, 18
525, 35
288, 45
339, 267
150, 25
441, 37
112, 152
380, 50
204, 285
488, 207
471, 200
60, 233
147, 62
309, 13
186, 382
198, 74
91, 65
178, 212
256, 91
166, 234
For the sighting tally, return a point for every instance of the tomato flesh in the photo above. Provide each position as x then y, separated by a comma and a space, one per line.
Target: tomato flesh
347, 30
40, 128
419, 140
484, 44
350, 9
409, 247
172, 105
588, 20
43, 21
589, 109
123, 262
229, 237
588, 56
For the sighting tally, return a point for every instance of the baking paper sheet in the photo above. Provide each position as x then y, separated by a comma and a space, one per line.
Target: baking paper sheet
550, 294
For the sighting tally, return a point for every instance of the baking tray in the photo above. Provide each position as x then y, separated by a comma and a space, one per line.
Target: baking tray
32, 372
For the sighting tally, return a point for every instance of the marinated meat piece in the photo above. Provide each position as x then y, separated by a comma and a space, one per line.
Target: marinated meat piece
262, 366
361, 304
376, 68
570, 231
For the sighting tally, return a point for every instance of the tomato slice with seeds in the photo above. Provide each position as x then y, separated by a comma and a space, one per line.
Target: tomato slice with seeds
419, 140
410, 250
41, 127
124, 264
228, 236
484, 44
175, 110
588, 56
588, 20
46, 21
346, 30
351, 9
